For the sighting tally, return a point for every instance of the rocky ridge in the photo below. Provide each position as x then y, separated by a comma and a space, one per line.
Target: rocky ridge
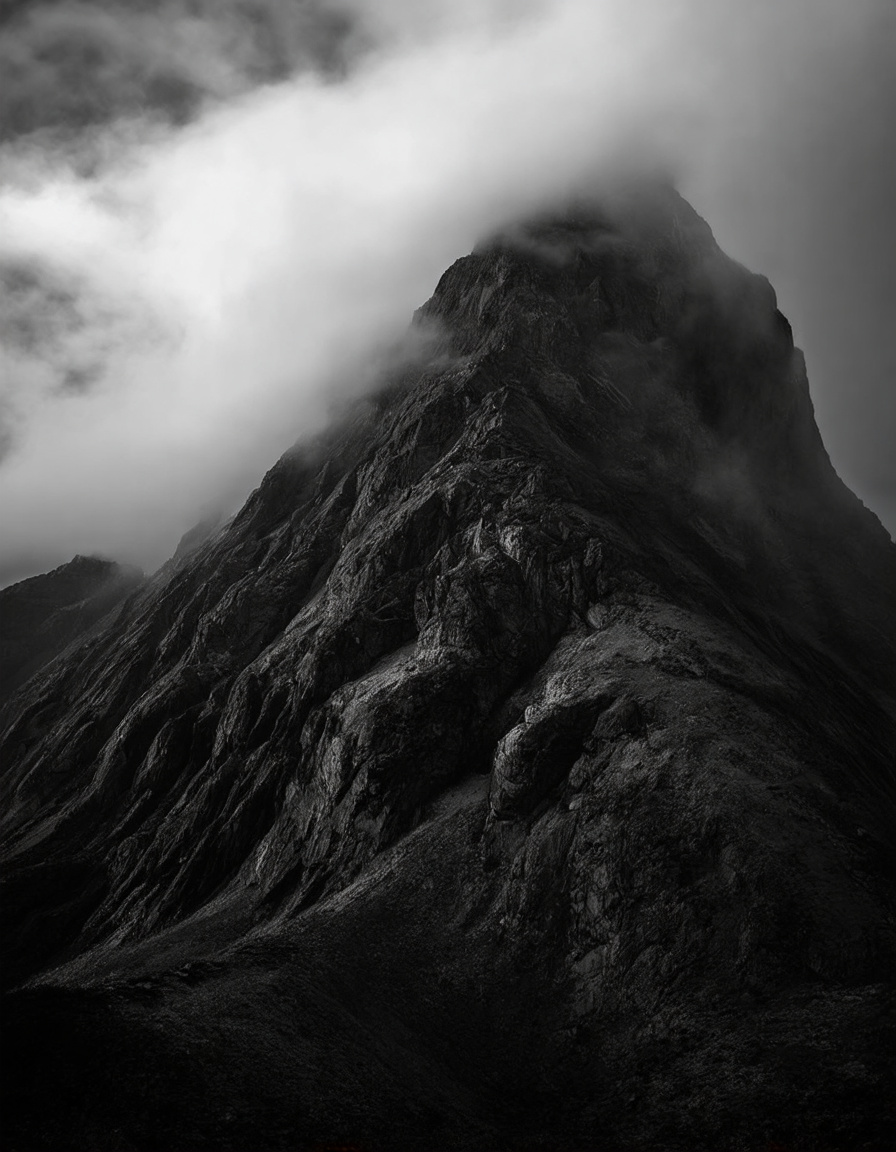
515, 769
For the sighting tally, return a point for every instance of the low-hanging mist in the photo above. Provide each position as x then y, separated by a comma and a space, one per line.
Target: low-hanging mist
186, 294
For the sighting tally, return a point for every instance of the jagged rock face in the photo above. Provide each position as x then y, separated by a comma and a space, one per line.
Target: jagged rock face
515, 769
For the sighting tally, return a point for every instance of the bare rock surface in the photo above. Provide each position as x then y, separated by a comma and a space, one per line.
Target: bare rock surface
514, 771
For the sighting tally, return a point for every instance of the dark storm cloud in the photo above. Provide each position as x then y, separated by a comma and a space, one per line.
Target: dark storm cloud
35, 308
235, 207
74, 63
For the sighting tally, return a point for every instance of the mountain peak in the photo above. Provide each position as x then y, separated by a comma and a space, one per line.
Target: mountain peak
524, 746
576, 287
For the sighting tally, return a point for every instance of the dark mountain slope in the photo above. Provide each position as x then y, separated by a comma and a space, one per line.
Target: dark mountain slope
40, 617
515, 770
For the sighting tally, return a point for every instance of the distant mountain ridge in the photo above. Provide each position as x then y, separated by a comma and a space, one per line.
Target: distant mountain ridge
514, 771
41, 616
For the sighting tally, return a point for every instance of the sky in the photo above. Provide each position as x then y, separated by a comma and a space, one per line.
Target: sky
215, 214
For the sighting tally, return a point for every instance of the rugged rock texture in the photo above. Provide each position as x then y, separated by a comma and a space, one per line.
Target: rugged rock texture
40, 617
515, 770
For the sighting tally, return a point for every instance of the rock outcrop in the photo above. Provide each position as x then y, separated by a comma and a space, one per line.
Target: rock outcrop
514, 771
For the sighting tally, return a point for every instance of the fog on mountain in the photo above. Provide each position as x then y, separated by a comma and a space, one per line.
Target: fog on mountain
210, 216
513, 770
447, 688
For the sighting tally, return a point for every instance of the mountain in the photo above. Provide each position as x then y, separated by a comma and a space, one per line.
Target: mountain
514, 771
40, 617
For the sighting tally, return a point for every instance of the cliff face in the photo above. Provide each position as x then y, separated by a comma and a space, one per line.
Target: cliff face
515, 770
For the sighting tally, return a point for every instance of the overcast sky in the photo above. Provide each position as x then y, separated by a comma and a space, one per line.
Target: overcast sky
211, 212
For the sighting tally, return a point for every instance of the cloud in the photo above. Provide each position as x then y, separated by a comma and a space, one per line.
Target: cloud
72, 63
222, 276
